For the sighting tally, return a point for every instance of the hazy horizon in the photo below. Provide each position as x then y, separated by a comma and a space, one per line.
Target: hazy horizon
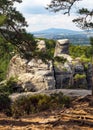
55, 28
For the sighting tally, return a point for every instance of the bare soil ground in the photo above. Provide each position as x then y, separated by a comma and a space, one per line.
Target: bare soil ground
78, 117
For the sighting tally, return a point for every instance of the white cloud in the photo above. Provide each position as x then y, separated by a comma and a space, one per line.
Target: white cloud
86, 4
40, 22
38, 18
32, 3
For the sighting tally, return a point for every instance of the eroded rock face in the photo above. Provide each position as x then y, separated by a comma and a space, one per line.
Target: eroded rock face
62, 47
89, 71
41, 45
74, 75
79, 68
17, 66
33, 75
63, 73
66, 73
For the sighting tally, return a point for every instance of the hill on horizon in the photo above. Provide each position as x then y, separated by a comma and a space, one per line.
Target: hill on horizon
57, 30
75, 37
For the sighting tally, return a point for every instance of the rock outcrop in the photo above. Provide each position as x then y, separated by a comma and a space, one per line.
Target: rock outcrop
72, 72
62, 47
41, 45
35, 75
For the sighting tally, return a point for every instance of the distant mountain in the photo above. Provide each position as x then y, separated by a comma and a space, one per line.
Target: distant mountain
57, 30
76, 37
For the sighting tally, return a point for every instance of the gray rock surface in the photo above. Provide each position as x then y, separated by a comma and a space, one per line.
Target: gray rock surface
33, 75
41, 45
68, 92
36, 75
17, 66
62, 47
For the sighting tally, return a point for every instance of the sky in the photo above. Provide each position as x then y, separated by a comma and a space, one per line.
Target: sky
38, 18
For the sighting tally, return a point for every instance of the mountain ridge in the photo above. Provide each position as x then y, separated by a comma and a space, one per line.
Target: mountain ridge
76, 37
57, 30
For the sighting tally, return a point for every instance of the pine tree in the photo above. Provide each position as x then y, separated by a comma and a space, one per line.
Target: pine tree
84, 21
12, 24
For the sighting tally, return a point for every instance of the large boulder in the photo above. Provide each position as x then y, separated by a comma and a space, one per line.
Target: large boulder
62, 47
41, 45
33, 75
63, 70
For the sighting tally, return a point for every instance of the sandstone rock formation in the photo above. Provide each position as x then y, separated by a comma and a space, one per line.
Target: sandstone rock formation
71, 73
62, 47
41, 45
35, 75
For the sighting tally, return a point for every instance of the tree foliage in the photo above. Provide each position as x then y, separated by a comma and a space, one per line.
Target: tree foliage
84, 21
12, 27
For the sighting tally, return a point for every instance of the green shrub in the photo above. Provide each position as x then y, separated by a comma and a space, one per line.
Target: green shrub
59, 100
84, 59
60, 59
9, 86
36, 103
85, 52
79, 76
20, 106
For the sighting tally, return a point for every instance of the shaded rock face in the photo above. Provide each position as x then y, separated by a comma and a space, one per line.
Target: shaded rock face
79, 68
33, 75
65, 72
89, 72
65, 76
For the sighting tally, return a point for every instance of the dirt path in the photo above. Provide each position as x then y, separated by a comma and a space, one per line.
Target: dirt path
78, 117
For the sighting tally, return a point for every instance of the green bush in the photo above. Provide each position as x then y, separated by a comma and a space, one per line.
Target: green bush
59, 100
84, 59
7, 50
79, 50
79, 76
9, 86
36, 103
60, 59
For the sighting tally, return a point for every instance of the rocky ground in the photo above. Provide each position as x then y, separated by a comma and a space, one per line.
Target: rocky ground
78, 117
68, 92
